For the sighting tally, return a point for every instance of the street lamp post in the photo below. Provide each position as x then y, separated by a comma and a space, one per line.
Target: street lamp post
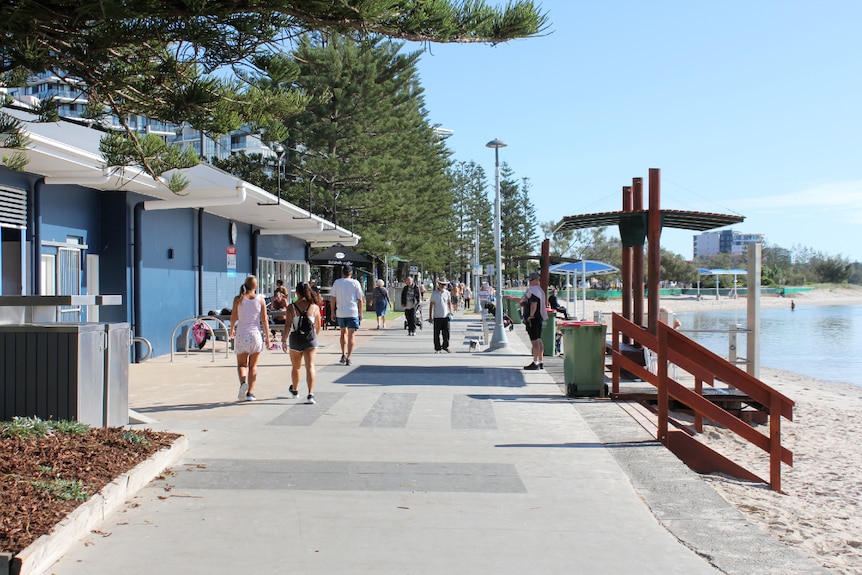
498, 339
477, 307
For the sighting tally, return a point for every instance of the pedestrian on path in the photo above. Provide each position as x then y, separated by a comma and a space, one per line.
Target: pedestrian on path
440, 314
246, 318
381, 303
411, 299
303, 323
348, 301
535, 311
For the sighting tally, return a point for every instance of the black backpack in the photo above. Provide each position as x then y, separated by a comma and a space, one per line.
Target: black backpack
304, 328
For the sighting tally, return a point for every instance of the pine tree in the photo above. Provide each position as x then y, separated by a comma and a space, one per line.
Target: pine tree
208, 63
366, 147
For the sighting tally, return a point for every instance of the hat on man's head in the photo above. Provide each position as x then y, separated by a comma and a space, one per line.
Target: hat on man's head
441, 281
533, 276
346, 270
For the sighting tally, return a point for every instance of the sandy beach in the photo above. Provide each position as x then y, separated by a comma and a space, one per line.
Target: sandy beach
820, 512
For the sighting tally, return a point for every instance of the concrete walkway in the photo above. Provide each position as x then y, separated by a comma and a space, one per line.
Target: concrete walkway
410, 463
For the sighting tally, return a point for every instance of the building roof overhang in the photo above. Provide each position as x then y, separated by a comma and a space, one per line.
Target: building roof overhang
67, 153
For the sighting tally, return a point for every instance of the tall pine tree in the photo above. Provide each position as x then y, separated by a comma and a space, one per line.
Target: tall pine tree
366, 148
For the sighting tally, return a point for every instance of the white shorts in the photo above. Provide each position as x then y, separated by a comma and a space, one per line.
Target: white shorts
248, 343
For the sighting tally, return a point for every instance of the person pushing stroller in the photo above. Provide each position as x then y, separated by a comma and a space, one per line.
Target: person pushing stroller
411, 301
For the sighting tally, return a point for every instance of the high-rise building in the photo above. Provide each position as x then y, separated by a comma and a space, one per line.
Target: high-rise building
724, 242
71, 102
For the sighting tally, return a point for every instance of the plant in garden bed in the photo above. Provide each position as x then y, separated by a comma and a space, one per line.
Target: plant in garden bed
50, 467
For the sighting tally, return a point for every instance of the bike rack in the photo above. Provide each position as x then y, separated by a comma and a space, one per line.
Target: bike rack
147, 343
204, 319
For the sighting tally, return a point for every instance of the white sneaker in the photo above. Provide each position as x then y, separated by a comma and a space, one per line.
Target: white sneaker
250, 397
243, 390
310, 399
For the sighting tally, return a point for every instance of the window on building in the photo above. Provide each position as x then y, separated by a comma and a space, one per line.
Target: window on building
270, 271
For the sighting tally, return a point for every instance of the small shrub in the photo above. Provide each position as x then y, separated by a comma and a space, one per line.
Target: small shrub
135, 438
64, 489
26, 427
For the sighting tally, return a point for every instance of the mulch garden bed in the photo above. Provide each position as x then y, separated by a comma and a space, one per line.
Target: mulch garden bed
43, 479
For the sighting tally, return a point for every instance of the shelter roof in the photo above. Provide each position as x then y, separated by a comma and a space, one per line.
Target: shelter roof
698, 221
588, 267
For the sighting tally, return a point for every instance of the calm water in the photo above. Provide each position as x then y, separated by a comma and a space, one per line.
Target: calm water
824, 342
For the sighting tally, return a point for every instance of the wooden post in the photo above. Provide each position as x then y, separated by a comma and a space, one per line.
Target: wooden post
627, 265
638, 257
775, 443
661, 373
653, 240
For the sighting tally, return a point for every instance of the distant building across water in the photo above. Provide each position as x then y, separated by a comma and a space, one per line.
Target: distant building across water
724, 242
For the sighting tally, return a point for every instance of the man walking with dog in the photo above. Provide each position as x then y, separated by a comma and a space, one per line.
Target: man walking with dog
440, 314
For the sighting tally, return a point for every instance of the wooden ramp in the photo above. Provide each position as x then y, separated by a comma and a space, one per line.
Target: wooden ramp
680, 441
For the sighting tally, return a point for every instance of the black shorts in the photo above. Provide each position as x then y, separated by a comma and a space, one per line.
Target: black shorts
297, 343
534, 329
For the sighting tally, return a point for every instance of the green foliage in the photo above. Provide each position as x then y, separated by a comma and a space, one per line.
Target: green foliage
832, 269
13, 137
363, 153
205, 63
48, 110
135, 438
150, 152
676, 268
25, 427
70, 427
64, 489
472, 209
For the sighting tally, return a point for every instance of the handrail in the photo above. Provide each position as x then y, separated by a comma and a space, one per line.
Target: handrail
674, 347
204, 319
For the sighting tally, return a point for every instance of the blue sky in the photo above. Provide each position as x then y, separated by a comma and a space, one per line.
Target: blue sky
747, 107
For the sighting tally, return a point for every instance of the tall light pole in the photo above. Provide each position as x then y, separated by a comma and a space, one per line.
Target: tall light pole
498, 340
477, 307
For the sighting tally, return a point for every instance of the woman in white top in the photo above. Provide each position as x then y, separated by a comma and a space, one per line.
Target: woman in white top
247, 318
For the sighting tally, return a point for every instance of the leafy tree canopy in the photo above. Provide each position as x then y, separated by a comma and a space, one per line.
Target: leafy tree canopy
207, 62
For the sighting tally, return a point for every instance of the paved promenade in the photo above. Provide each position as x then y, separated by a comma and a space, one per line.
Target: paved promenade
411, 463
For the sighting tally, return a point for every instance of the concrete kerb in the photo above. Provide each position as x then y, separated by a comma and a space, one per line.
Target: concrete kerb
38, 557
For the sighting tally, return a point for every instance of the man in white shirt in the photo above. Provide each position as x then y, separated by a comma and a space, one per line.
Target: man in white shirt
439, 313
348, 301
534, 305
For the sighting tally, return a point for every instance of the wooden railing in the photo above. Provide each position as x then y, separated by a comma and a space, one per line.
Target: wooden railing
670, 346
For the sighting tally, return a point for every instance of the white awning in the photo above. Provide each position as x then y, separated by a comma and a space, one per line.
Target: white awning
66, 153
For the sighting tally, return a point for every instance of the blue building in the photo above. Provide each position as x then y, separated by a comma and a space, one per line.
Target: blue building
70, 225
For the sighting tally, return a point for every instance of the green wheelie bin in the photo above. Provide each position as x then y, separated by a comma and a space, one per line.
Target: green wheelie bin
584, 358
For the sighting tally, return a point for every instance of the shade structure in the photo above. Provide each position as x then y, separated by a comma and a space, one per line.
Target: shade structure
588, 267
720, 272
585, 268
339, 255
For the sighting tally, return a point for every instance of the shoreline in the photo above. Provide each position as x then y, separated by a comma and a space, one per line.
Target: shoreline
820, 511
819, 296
